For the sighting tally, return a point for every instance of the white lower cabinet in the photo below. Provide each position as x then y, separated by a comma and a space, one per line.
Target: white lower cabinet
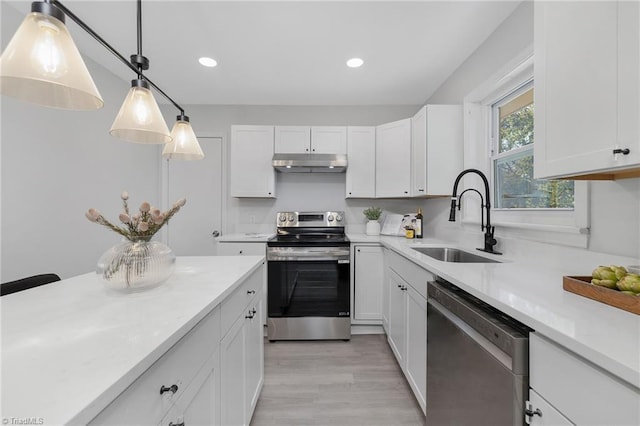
200, 404
407, 320
577, 390
242, 364
367, 284
545, 414
241, 249
416, 336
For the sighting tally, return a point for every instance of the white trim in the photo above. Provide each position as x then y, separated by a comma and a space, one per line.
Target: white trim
533, 226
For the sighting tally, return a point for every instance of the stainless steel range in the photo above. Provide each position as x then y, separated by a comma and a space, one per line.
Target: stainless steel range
308, 282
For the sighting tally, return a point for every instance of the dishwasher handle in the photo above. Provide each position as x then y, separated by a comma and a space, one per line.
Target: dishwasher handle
478, 338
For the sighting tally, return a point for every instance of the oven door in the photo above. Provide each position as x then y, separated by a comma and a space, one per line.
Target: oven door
308, 282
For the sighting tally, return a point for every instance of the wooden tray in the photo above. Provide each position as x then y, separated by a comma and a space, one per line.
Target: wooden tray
582, 286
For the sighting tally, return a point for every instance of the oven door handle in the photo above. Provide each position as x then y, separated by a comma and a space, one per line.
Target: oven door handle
314, 257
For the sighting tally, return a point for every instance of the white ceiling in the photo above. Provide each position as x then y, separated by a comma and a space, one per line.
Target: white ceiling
291, 52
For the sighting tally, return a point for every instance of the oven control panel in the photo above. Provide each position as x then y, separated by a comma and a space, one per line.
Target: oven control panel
309, 219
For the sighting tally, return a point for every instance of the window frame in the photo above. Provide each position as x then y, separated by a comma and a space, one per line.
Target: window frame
550, 225
495, 154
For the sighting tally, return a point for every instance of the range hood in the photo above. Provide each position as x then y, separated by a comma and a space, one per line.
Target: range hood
310, 163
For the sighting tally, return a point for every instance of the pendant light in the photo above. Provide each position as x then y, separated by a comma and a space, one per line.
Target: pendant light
42, 65
140, 119
184, 144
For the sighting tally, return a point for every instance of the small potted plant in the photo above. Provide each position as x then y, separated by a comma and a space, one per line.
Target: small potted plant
373, 226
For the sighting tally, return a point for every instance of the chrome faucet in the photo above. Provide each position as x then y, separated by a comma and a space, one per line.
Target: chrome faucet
489, 241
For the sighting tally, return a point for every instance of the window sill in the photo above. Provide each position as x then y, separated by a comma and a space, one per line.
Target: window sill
565, 235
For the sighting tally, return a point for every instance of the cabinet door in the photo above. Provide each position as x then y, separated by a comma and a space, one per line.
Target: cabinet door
241, 249
445, 141
251, 171
254, 354
419, 153
200, 404
292, 139
393, 159
397, 317
329, 140
361, 157
368, 280
548, 415
416, 355
578, 89
233, 375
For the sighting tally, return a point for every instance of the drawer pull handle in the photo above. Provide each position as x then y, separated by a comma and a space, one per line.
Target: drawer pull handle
624, 151
176, 424
173, 389
251, 315
251, 292
530, 413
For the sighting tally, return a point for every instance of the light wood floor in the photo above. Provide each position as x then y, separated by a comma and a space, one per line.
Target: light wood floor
335, 383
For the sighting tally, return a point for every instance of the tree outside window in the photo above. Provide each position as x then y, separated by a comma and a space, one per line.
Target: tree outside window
512, 156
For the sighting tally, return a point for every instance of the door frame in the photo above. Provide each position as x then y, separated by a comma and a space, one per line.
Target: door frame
224, 190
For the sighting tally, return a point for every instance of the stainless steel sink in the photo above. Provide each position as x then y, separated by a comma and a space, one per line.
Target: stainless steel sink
447, 254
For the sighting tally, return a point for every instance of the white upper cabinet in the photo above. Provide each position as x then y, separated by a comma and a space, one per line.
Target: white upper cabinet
393, 159
436, 149
361, 155
251, 170
292, 139
587, 89
329, 140
311, 140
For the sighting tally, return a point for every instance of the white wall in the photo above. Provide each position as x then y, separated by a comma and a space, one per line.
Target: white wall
55, 165
298, 191
615, 206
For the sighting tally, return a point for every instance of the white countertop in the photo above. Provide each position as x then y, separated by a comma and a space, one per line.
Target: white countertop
249, 237
69, 348
531, 291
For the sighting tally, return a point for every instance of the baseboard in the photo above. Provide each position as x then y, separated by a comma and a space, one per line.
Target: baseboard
366, 329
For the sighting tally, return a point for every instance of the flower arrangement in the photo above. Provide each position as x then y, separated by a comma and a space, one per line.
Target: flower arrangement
139, 226
373, 213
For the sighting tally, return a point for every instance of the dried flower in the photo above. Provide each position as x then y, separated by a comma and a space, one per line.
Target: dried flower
92, 215
140, 225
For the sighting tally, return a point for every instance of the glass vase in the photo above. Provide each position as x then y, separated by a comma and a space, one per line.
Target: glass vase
136, 264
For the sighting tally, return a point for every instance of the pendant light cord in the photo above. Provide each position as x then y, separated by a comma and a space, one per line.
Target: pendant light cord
113, 51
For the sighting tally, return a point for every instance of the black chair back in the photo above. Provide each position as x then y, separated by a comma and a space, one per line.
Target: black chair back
27, 283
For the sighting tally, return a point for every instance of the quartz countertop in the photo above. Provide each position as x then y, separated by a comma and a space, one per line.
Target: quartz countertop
70, 348
530, 290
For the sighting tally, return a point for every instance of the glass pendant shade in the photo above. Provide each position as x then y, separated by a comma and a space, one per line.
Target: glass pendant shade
42, 65
139, 119
184, 144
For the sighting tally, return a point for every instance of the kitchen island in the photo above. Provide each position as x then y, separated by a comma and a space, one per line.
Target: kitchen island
70, 348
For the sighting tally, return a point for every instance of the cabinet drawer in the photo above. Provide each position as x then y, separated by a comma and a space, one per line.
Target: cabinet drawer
237, 303
141, 403
413, 274
237, 249
581, 391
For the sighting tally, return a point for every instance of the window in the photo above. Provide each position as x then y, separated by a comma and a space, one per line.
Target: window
512, 158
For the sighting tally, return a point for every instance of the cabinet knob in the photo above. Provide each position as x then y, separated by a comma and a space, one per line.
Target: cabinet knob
399, 286
250, 316
420, 190
268, 193
251, 292
530, 413
173, 389
406, 192
176, 424
623, 151
240, 252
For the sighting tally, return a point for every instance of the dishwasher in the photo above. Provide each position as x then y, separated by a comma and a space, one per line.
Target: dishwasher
477, 361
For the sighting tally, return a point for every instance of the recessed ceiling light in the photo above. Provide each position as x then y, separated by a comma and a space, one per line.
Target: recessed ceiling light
208, 62
355, 62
